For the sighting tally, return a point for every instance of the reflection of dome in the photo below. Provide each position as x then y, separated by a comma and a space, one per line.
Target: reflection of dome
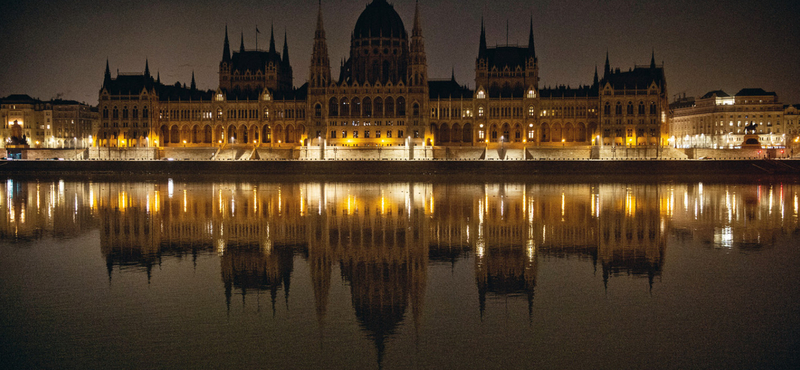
379, 19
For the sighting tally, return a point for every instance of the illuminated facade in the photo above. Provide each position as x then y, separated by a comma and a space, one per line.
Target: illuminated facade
383, 97
46, 124
718, 120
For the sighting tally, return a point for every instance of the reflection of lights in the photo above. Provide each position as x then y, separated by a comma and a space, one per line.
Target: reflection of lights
531, 251
723, 237
170, 188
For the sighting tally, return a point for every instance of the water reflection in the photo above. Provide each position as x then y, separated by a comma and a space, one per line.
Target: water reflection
382, 237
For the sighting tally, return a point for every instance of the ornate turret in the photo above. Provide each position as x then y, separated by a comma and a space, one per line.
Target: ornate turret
607, 70
272, 40
146, 69
417, 69
653, 60
482, 46
194, 85
531, 45
320, 73
107, 75
285, 49
226, 49
241, 46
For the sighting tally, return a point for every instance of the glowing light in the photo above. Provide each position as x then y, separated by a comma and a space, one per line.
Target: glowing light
170, 188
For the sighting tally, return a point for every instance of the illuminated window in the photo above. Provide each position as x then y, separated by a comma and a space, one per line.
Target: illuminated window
366, 135
355, 134
480, 111
344, 134
389, 134
531, 111
481, 95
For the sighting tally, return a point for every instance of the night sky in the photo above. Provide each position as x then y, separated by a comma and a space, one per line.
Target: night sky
60, 47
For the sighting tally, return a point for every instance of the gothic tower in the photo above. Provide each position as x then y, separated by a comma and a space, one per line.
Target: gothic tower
320, 73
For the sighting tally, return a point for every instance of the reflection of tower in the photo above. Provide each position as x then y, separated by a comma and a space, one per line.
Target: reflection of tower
253, 267
631, 240
375, 233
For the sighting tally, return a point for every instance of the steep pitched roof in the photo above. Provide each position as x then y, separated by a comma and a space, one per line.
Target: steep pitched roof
718, 93
507, 56
637, 78
253, 60
754, 92
448, 89
19, 99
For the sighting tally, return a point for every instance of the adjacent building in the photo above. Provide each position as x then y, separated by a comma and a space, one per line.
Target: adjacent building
46, 124
718, 120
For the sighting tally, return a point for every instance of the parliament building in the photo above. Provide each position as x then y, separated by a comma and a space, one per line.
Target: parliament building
383, 99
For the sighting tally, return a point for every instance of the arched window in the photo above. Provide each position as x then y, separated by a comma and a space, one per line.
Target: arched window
115, 113
531, 111
266, 113
389, 107
641, 108
345, 111
480, 111
607, 109
401, 107
531, 94
618, 109
385, 76
415, 110
355, 108
378, 107
105, 112
367, 107
145, 113
318, 110
653, 108
135, 112
333, 108
219, 113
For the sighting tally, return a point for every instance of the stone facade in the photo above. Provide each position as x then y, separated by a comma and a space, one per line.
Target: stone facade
718, 120
383, 97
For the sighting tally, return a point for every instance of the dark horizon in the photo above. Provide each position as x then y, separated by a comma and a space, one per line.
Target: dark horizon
57, 48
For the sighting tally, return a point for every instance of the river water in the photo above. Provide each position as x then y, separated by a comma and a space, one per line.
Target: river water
171, 273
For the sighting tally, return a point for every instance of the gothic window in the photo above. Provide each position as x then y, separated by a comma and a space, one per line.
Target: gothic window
345, 111
389, 106
318, 110
652, 108
641, 108
105, 112
480, 111
115, 113
367, 107
378, 107
145, 113
531, 94
618, 109
333, 108
630, 108
531, 111
401, 107
415, 110
607, 109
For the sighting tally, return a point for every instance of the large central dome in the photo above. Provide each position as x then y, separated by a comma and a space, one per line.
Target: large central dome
379, 19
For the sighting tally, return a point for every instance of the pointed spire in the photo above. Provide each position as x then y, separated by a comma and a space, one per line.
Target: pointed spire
226, 49
107, 75
453, 74
146, 68
194, 85
482, 47
607, 70
653, 59
272, 40
595, 81
320, 71
531, 45
285, 48
158, 77
417, 30
241, 46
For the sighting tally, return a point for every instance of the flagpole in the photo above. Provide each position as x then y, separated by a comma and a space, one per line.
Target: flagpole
256, 37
